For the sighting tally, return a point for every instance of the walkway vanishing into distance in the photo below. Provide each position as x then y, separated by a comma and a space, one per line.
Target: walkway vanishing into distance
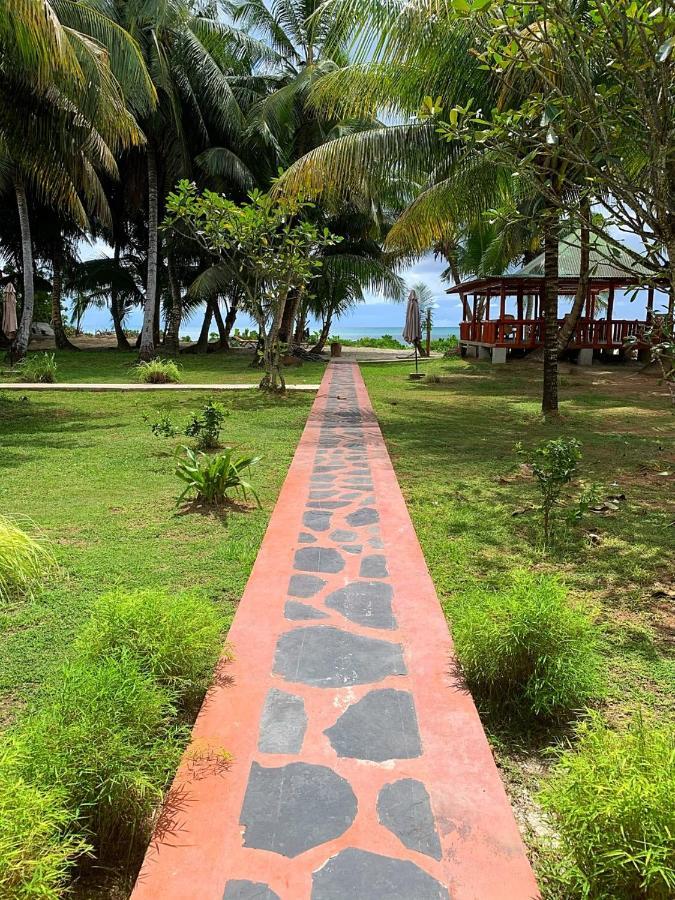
359, 769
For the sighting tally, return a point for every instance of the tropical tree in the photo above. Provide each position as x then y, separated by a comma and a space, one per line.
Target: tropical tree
72, 70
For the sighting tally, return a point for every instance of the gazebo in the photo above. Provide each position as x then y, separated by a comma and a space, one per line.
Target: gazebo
517, 323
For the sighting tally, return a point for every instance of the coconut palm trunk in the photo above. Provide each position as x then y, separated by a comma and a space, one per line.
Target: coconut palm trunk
23, 334
171, 338
324, 333
549, 403
147, 348
230, 319
60, 336
115, 306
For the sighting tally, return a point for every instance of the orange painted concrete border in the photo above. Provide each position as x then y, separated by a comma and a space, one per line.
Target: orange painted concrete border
198, 844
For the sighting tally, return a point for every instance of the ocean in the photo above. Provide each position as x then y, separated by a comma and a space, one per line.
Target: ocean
353, 333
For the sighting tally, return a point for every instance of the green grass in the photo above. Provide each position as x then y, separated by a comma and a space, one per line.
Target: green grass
452, 445
101, 488
107, 366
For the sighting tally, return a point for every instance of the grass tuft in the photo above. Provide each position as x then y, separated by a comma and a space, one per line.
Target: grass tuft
40, 368
527, 645
158, 371
176, 638
612, 801
36, 851
24, 562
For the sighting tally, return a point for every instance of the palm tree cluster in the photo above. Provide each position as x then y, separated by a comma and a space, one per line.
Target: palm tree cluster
106, 104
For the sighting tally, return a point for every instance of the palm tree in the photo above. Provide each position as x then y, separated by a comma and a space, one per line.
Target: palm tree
72, 69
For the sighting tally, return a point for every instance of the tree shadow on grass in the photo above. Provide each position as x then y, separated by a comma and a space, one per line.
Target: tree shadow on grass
218, 512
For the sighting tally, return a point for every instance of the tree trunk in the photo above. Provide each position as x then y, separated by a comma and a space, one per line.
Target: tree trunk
323, 335
230, 319
300, 324
60, 336
549, 404
147, 349
115, 309
290, 309
172, 337
220, 325
274, 380
202, 344
572, 318
23, 334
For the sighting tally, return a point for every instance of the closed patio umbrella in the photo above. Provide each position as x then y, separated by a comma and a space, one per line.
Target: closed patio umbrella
9, 323
412, 331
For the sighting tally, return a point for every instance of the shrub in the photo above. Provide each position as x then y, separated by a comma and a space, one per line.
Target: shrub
527, 644
175, 638
38, 369
553, 464
158, 371
36, 851
212, 478
102, 732
613, 802
207, 425
163, 427
24, 562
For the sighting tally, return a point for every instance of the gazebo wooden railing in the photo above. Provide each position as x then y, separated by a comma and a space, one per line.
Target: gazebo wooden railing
528, 333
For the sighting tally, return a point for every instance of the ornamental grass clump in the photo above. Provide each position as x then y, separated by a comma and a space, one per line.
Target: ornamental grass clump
103, 734
37, 852
24, 562
175, 638
212, 478
40, 368
527, 646
612, 801
158, 371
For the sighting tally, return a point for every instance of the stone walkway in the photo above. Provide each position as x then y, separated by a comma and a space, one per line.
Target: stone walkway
359, 768
125, 387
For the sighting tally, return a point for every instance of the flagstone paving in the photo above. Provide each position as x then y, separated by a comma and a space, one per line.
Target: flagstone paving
359, 769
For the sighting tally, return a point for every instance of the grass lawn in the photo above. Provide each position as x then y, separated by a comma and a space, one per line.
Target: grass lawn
452, 445
108, 365
86, 470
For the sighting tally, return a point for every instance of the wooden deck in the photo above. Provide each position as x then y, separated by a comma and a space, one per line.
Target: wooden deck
527, 334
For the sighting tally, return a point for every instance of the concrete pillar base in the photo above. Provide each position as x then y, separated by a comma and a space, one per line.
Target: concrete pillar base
585, 357
498, 355
483, 353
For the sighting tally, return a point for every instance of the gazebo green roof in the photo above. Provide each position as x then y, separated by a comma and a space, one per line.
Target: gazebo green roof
605, 261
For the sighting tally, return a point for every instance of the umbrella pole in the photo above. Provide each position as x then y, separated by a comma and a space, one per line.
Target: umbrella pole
416, 359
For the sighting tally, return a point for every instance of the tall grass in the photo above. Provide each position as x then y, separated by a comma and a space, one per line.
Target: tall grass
36, 851
158, 371
40, 368
24, 562
176, 639
527, 646
613, 802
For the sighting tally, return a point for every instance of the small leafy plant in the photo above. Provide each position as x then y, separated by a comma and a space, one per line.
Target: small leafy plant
206, 426
554, 464
163, 427
212, 478
611, 799
24, 562
39, 368
527, 645
158, 371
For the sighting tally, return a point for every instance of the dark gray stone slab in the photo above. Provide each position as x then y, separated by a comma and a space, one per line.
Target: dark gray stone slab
318, 559
316, 520
365, 516
351, 496
352, 548
382, 725
364, 602
289, 809
324, 656
321, 479
321, 470
360, 875
404, 807
305, 585
305, 538
376, 543
282, 724
342, 536
327, 504
374, 566
357, 488
297, 612
248, 890
322, 495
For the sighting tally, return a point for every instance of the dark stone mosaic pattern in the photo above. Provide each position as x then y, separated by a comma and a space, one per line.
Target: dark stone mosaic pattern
248, 890
374, 566
324, 656
404, 808
382, 725
318, 559
305, 585
289, 809
359, 875
364, 602
364, 516
283, 723
297, 612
